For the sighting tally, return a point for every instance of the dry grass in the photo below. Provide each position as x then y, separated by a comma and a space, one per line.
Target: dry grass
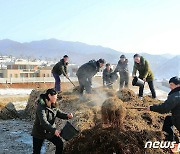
13, 99
2, 105
5, 100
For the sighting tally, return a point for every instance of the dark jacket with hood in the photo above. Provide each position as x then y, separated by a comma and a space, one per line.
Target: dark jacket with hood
172, 104
107, 75
88, 70
144, 70
122, 67
44, 126
60, 68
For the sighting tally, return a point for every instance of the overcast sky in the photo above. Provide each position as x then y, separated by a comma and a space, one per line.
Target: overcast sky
151, 26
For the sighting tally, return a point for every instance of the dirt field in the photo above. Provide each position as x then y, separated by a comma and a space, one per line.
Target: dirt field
138, 126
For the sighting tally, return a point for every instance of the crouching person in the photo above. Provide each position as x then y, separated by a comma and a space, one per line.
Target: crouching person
86, 72
172, 104
107, 76
44, 126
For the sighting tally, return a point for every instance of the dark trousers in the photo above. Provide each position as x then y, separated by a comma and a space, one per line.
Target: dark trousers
124, 80
57, 82
37, 144
168, 128
84, 84
151, 87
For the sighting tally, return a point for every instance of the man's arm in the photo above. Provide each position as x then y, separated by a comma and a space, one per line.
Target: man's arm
64, 70
117, 69
146, 69
165, 107
134, 71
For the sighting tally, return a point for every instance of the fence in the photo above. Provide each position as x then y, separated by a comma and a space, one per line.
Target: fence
34, 79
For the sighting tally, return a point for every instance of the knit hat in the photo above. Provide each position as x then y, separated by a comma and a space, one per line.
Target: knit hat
65, 56
122, 56
136, 55
107, 64
102, 61
175, 80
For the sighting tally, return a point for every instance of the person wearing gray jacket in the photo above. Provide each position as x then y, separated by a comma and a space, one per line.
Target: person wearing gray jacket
122, 68
86, 72
172, 104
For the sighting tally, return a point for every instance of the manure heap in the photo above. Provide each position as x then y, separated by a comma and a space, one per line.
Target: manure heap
106, 124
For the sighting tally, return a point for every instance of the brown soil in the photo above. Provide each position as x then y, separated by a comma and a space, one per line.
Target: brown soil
113, 112
112, 140
126, 95
138, 126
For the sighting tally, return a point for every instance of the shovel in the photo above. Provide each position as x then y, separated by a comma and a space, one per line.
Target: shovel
68, 79
136, 108
71, 81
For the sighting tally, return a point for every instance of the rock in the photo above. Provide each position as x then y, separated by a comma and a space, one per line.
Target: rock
8, 112
30, 110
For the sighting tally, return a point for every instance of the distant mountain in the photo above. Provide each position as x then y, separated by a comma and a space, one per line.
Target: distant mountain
78, 52
52, 48
9, 47
169, 69
167, 56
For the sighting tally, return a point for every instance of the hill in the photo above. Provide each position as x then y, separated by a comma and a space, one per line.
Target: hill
79, 53
169, 68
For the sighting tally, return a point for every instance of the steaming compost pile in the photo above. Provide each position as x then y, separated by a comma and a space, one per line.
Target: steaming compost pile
112, 140
106, 122
113, 112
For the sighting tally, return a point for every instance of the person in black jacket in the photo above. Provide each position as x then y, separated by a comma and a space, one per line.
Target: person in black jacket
172, 104
44, 126
59, 69
123, 70
107, 76
86, 72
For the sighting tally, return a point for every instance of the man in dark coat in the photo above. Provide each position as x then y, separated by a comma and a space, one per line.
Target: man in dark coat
86, 72
145, 73
59, 69
172, 104
107, 76
44, 127
122, 68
